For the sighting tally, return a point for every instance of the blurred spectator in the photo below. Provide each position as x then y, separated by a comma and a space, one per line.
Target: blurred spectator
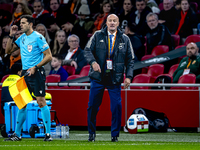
43, 30
117, 6
127, 14
94, 6
106, 8
3, 55
3, 47
40, 14
63, 17
177, 4
167, 16
186, 20
74, 6
84, 24
13, 58
75, 52
5, 19
189, 64
21, 9
60, 45
158, 33
57, 68
136, 41
153, 5
28, 3
140, 17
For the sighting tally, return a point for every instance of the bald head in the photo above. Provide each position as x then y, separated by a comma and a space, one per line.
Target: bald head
192, 49
112, 23
112, 15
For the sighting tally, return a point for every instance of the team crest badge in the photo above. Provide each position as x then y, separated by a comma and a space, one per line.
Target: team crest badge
30, 47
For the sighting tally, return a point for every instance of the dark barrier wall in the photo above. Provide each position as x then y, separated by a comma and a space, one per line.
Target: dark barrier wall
181, 107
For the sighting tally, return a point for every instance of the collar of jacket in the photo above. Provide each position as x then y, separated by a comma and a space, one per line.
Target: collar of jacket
105, 31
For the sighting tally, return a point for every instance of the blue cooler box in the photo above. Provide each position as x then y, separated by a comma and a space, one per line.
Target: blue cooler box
33, 120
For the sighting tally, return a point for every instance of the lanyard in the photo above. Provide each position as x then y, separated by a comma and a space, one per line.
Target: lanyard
110, 51
189, 63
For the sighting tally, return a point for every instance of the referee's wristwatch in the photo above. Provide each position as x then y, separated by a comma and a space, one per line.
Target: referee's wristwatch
36, 67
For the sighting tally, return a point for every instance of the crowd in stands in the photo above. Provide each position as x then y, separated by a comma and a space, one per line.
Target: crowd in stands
67, 26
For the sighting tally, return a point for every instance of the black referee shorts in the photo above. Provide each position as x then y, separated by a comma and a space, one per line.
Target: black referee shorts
36, 82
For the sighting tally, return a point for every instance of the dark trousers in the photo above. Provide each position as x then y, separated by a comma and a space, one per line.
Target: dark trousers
95, 99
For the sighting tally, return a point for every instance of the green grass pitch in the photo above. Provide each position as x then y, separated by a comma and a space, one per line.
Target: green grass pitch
143, 141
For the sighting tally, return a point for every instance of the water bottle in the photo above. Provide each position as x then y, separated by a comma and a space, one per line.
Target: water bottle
67, 131
58, 131
63, 129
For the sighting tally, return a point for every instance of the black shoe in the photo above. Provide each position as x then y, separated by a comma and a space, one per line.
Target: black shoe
91, 138
114, 139
13, 137
48, 137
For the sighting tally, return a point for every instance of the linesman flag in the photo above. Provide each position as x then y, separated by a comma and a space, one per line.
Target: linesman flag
20, 93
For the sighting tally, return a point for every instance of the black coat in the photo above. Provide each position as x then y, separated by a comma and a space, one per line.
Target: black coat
169, 17
123, 56
158, 36
141, 27
190, 22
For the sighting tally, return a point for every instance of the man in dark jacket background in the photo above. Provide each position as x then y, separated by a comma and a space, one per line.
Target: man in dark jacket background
109, 52
158, 33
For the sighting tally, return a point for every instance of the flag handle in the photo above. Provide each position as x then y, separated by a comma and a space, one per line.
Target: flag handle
26, 74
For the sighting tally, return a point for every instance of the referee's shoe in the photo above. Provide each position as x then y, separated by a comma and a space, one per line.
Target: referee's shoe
48, 137
13, 137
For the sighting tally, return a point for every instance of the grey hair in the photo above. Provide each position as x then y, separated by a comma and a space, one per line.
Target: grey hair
152, 14
75, 36
46, 32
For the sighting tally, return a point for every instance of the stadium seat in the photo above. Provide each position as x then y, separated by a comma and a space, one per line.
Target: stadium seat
70, 69
187, 78
71, 78
179, 46
145, 57
53, 78
173, 69
163, 76
141, 78
176, 39
4, 77
170, 73
160, 49
85, 70
154, 71
192, 38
